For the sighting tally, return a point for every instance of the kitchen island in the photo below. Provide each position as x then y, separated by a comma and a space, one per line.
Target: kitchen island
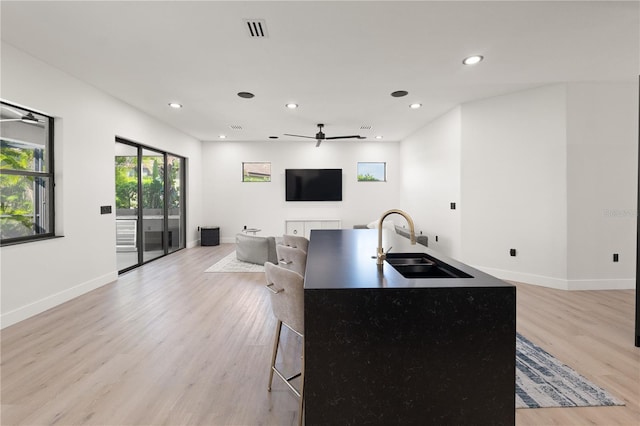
382, 349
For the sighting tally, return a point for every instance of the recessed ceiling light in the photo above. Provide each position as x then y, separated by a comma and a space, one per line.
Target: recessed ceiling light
246, 95
292, 106
399, 93
415, 106
222, 136
378, 137
472, 60
175, 105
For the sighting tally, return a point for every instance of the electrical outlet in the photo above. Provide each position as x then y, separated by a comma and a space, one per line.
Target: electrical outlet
453, 206
615, 257
512, 252
436, 238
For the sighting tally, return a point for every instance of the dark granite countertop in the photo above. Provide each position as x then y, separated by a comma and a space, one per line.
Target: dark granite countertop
345, 259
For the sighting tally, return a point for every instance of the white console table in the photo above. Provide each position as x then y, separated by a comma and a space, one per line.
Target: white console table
303, 227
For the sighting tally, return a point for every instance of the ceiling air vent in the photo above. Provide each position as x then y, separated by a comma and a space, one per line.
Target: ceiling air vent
236, 127
365, 127
257, 28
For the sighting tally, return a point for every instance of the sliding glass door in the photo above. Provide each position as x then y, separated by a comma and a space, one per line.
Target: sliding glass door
175, 166
153, 206
127, 184
149, 204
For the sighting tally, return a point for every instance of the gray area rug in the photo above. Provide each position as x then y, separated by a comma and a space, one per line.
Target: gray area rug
542, 381
230, 263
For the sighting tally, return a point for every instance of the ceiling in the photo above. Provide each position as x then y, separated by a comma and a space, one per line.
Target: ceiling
338, 60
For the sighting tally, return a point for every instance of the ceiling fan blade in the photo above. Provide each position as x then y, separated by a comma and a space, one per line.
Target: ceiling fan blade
346, 137
15, 112
300, 136
10, 119
320, 136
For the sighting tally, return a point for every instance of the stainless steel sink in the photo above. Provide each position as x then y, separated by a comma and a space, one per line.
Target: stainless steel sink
420, 265
406, 259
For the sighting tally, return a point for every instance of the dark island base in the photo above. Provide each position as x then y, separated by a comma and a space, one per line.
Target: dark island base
424, 356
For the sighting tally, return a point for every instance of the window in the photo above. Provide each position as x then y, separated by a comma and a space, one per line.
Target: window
372, 172
26, 175
256, 172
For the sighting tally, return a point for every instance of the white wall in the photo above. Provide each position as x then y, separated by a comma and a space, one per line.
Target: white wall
231, 204
39, 275
602, 133
431, 181
514, 185
552, 172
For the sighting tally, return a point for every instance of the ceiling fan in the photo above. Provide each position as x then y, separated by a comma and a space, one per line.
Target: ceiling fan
320, 136
28, 118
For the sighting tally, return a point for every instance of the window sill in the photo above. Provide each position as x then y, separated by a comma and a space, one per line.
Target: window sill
30, 240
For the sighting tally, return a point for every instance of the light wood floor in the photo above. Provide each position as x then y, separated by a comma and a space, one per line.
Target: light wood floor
168, 344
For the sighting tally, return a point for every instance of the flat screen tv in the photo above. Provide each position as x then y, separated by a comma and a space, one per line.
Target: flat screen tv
313, 184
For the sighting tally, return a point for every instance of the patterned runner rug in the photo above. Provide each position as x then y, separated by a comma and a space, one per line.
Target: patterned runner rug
230, 263
542, 381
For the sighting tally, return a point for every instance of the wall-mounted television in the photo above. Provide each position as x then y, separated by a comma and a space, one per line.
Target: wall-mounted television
313, 184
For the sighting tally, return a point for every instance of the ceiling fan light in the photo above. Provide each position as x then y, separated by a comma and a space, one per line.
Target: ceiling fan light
472, 60
291, 105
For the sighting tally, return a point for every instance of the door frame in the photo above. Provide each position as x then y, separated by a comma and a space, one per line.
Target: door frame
139, 219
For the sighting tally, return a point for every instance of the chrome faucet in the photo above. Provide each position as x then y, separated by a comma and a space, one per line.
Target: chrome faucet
412, 235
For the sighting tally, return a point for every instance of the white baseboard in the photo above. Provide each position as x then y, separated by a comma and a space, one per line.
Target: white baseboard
610, 284
526, 278
27, 311
560, 283
196, 243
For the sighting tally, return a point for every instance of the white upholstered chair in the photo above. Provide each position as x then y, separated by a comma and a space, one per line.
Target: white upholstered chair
287, 303
296, 241
292, 258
